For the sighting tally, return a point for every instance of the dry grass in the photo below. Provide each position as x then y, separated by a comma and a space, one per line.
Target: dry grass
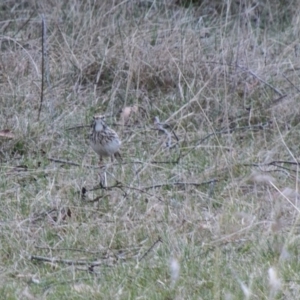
214, 216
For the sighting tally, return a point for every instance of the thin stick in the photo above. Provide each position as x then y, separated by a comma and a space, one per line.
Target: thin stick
43, 66
249, 71
291, 83
78, 127
68, 249
24, 24
66, 261
263, 81
67, 162
120, 186
150, 249
255, 127
179, 183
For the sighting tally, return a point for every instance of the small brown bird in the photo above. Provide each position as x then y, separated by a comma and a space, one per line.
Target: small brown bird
104, 140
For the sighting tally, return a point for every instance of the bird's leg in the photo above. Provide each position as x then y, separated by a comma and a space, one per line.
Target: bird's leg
102, 173
117, 155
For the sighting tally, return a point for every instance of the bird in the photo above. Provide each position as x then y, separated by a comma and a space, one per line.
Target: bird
104, 141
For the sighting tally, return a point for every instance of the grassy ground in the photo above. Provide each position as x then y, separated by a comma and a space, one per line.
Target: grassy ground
206, 208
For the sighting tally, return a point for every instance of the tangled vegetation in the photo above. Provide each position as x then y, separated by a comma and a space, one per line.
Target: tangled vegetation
205, 98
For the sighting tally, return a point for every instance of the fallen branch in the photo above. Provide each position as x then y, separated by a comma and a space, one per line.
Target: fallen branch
66, 162
77, 127
116, 185
66, 261
255, 127
71, 163
179, 183
43, 65
276, 163
68, 249
260, 79
250, 72
151, 248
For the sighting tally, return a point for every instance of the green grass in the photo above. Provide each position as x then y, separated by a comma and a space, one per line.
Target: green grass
221, 204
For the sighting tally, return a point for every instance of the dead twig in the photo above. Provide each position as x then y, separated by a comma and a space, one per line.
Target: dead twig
24, 24
298, 90
250, 72
67, 261
255, 127
116, 185
276, 163
179, 183
78, 127
144, 192
43, 66
71, 163
102, 252
66, 162
159, 240
277, 100
263, 81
